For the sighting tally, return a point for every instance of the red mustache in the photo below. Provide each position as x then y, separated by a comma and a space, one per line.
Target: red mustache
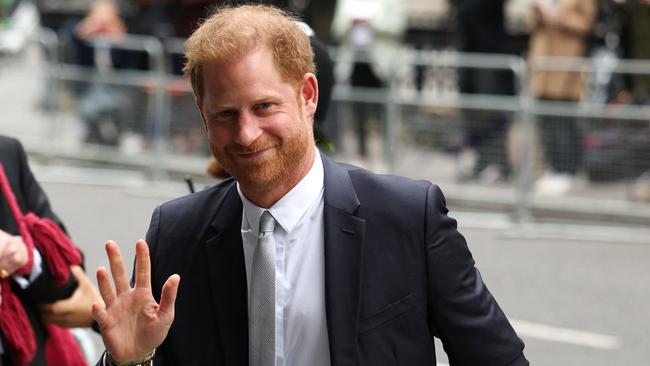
260, 144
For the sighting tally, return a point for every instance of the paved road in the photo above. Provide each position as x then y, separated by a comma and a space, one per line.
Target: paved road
573, 301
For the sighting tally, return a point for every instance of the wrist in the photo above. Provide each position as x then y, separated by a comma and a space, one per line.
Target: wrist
146, 361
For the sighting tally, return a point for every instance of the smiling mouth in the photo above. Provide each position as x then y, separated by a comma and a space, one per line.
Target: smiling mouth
254, 154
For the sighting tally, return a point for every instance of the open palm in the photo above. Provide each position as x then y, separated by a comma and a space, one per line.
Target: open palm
132, 323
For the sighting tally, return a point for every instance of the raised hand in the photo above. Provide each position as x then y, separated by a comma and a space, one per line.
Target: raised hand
132, 323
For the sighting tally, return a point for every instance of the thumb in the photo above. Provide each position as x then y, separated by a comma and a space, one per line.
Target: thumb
79, 274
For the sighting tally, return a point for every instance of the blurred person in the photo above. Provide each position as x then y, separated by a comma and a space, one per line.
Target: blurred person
112, 111
369, 33
560, 28
636, 45
37, 288
319, 15
296, 260
18, 23
481, 29
162, 19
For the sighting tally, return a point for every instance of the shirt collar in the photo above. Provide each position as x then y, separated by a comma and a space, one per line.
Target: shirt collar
292, 207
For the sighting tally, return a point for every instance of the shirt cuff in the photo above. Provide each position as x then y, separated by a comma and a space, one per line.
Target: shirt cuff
25, 281
105, 361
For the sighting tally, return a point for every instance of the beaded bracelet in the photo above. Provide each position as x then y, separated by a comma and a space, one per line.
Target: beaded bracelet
144, 362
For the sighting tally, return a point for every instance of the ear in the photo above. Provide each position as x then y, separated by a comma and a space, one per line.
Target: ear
199, 105
309, 92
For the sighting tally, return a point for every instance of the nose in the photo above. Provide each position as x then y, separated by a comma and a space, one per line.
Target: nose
249, 130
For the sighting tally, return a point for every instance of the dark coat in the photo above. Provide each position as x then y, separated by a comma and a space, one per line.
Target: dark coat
31, 198
397, 273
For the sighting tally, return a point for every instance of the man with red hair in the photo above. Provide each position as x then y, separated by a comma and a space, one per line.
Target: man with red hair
296, 260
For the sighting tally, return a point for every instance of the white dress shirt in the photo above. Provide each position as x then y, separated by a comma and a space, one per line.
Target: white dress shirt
300, 323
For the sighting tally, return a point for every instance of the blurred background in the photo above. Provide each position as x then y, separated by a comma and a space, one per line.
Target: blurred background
532, 116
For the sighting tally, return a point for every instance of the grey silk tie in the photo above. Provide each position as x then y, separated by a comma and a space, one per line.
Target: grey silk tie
261, 316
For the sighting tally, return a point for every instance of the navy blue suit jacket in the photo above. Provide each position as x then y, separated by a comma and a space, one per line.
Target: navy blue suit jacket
397, 273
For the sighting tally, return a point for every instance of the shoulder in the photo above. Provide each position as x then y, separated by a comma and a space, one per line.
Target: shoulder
199, 201
385, 185
8, 141
390, 203
195, 211
189, 216
12, 155
394, 196
9, 145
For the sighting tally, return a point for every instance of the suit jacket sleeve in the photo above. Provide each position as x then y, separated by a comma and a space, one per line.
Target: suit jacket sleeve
462, 312
43, 289
35, 199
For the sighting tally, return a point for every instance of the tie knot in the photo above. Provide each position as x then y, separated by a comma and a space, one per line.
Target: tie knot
267, 223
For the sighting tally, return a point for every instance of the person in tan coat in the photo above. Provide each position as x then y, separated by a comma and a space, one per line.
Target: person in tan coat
559, 29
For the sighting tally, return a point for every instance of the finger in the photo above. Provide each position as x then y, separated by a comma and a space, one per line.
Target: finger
84, 286
142, 265
118, 270
79, 274
168, 296
99, 313
105, 288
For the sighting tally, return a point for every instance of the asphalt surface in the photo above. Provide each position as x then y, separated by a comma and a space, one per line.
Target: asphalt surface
575, 299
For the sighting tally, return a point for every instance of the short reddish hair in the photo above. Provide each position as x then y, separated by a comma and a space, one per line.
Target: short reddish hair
233, 32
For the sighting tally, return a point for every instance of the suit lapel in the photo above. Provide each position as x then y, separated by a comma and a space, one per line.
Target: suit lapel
344, 239
225, 256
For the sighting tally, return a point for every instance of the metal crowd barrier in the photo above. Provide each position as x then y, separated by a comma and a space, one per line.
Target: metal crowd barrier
398, 98
520, 199
57, 73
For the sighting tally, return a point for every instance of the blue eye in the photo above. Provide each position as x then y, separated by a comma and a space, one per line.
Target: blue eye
264, 105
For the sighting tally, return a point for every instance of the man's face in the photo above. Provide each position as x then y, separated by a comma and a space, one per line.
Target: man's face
259, 126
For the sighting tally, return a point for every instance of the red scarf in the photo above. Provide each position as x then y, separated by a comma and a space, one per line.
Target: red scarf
59, 253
